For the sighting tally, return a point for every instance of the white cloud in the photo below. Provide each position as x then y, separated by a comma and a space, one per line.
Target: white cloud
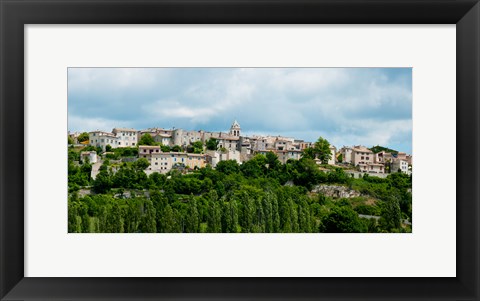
345, 105
78, 123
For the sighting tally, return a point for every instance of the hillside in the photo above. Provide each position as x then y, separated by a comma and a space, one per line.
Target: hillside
378, 148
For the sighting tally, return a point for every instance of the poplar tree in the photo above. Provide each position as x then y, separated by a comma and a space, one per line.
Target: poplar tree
258, 216
192, 222
132, 218
149, 224
214, 224
168, 222
275, 214
267, 204
231, 216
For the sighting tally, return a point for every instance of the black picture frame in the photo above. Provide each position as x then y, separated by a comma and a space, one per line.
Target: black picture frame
15, 14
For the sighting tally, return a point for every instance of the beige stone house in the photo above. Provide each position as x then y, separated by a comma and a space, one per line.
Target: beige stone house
362, 155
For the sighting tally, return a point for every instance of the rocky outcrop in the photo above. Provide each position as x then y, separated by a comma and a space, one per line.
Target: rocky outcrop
336, 191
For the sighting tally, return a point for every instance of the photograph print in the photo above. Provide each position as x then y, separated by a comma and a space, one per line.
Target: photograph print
239, 150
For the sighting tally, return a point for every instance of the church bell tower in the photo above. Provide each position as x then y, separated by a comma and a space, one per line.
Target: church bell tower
235, 129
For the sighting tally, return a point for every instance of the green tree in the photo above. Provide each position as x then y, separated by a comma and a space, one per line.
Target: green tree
157, 179
114, 221
83, 137
304, 172
70, 140
141, 164
267, 204
391, 215
304, 223
309, 153
214, 224
168, 221
176, 148
228, 167
275, 212
378, 148
212, 144
149, 224
259, 220
197, 147
342, 219
74, 220
102, 182
132, 216
272, 161
146, 139
108, 148
230, 217
255, 167
192, 223
322, 150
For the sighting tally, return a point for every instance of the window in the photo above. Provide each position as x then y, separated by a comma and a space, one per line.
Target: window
362, 158
156, 163
367, 158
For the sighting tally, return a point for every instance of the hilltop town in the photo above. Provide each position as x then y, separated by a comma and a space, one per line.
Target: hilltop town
167, 149
183, 181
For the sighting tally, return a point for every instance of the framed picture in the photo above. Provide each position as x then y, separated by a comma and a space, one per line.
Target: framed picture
50, 54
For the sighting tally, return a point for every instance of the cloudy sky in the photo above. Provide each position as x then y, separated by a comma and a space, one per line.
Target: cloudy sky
347, 106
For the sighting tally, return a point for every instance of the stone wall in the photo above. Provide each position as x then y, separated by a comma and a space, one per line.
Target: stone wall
336, 191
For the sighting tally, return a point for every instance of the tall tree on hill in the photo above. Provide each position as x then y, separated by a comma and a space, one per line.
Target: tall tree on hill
320, 150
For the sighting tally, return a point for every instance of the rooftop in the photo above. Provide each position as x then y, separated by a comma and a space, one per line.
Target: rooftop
123, 130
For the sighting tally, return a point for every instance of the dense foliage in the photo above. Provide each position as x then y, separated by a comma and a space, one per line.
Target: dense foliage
83, 137
378, 148
260, 195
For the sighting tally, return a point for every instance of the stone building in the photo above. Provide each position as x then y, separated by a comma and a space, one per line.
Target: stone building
125, 137
102, 139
